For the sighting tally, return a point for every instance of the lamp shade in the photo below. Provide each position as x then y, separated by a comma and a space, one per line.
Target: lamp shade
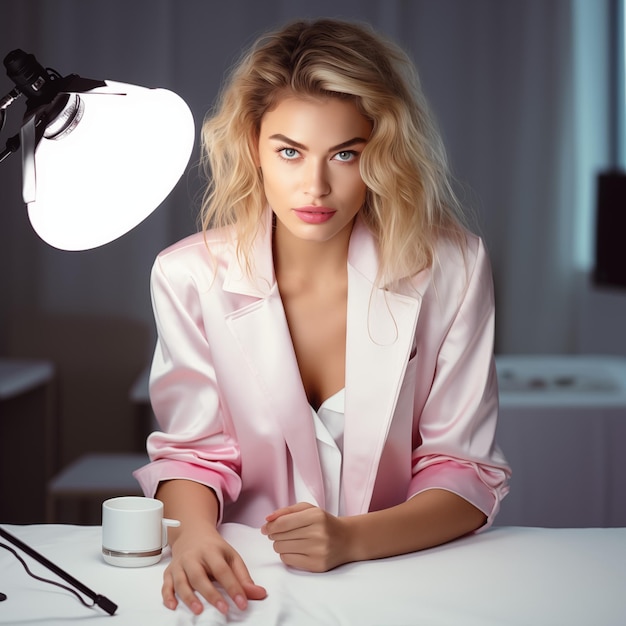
122, 158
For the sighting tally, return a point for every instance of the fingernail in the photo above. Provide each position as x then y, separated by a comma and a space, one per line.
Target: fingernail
196, 608
241, 602
222, 607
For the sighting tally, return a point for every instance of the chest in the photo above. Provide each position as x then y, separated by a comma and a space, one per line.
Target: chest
317, 325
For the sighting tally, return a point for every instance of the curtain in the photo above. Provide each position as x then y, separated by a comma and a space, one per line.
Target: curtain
501, 77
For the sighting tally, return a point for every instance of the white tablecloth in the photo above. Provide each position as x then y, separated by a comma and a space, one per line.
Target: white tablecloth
504, 576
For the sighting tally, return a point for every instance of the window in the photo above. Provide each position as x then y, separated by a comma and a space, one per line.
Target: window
620, 83
599, 144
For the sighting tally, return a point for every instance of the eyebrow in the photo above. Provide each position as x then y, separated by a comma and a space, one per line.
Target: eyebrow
300, 146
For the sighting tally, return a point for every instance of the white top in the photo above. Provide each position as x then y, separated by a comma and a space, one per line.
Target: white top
329, 427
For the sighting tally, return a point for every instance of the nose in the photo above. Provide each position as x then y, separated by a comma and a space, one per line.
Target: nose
317, 182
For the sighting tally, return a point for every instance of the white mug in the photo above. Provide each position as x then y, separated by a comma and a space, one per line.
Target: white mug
134, 531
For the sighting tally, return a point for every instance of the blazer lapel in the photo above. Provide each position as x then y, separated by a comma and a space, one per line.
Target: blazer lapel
261, 330
381, 328
380, 331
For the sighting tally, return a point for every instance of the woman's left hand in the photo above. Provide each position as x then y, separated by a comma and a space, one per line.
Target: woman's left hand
308, 538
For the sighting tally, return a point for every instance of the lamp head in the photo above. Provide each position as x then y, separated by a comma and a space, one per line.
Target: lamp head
97, 156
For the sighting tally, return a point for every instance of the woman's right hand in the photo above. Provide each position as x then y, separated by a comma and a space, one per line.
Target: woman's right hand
201, 558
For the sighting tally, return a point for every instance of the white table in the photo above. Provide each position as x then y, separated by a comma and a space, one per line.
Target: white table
503, 577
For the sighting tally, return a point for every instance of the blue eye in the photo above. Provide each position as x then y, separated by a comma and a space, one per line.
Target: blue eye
345, 156
288, 153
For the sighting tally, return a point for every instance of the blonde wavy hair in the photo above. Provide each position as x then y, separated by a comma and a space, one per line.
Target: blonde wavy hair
410, 200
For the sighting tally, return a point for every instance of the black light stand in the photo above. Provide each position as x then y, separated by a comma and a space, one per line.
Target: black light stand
103, 602
44, 90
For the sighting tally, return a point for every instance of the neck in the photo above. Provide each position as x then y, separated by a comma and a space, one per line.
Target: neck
309, 260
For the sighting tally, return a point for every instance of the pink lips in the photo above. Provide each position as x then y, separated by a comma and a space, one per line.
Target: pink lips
314, 215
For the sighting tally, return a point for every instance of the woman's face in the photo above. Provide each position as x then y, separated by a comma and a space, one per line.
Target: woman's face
308, 152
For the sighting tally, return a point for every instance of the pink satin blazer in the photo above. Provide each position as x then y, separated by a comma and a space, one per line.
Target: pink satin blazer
421, 399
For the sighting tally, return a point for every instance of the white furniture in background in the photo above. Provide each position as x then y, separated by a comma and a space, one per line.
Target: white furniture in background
19, 376
90, 480
78, 491
562, 427
502, 577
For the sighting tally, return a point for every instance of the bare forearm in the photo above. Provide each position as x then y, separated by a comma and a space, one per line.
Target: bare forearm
428, 519
193, 504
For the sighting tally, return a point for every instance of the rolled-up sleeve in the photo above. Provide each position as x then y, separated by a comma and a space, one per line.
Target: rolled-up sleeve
194, 442
457, 449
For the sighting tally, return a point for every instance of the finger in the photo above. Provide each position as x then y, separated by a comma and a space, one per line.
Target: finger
275, 515
304, 562
304, 555
222, 573
167, 592
296, 520
255, 592
233, 575
287, 510
176, 582
291, 546
251, 589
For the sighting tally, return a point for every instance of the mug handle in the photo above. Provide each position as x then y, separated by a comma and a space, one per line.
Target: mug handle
171, 523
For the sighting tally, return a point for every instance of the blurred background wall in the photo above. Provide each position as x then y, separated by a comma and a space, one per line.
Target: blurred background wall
521, 90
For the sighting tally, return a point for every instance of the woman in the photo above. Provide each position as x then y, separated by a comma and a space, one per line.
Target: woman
324, 369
